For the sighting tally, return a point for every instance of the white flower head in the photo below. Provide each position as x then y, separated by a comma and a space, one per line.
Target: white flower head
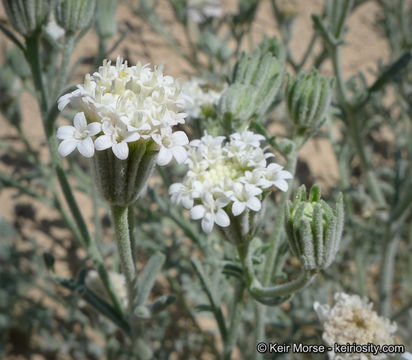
226, 177
352, 320
197, 94
127, 104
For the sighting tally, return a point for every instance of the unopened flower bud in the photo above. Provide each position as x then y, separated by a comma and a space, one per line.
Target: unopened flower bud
257, 78
75, 15
314, 229
106, 18
308, 99
27, 16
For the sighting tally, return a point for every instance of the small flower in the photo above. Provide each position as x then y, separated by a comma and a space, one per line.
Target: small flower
211, 212
225, 178
352, 320
199, 95
171, 145
244, 196
78, 136
116, 137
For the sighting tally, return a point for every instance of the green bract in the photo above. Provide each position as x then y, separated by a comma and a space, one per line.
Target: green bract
27, 16
121, 181
314, 229
75, 15
308, 99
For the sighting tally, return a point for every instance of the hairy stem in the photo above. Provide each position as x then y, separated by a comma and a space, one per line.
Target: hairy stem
121, 229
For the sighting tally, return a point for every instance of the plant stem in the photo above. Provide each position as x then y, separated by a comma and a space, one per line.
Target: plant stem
236, 320
64, 67
49, 115
121, 229
130, 220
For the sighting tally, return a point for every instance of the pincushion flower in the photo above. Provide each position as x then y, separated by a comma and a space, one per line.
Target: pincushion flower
227, 180
131, 104
127, 114
352, 320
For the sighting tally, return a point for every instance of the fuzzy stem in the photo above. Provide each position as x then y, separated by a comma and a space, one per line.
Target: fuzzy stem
235, 322
49, 115
121, 229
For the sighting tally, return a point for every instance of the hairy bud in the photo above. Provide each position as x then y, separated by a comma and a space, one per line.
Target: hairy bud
308, 99
75, 15
314, 229
27, 16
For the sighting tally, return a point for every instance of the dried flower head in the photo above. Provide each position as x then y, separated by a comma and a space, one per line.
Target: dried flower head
352, 320
227, 178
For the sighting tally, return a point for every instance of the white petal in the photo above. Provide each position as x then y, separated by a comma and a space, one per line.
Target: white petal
80, 121
207, 223
94, 128
103, 142
132, 136
222, 219
281, 184
254, 204
223, 201
65, 132
164, 157
252, 190
67, 146
238, 208
121, 150
285, 174
197, 212
180, 138
176, 188
86, 147
63, 101
187, 202
179, 154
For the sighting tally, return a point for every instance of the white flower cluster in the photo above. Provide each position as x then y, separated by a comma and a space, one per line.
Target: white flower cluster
119, 105
227, 177
197, 95
352, 320
201, 10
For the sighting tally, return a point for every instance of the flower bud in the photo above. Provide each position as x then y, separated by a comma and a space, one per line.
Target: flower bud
308, 99
314, 229
106, 18
74, 15
257, 78
120, 182
27, 16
